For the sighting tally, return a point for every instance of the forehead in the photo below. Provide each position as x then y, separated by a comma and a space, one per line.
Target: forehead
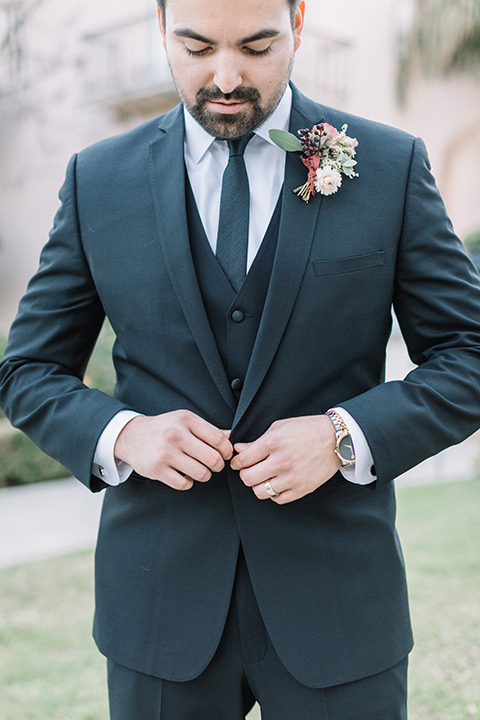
225, 16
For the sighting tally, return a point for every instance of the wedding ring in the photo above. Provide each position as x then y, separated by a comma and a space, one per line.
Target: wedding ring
269, 490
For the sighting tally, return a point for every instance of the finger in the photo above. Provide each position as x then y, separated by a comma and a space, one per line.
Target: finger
240, 447
203, 453
211, 435
272, 466
286, 497
175, 480
193, 469
274, 485
256, 475
249, 454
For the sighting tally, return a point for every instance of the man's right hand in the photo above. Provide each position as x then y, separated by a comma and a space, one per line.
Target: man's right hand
177, 448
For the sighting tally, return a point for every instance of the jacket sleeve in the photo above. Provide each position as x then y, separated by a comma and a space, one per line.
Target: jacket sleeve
437, 303
50, 342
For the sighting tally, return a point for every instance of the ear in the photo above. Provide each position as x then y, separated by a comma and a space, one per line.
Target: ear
160, 22
298, 23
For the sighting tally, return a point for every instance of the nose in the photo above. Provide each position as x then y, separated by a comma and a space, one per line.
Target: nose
227, 74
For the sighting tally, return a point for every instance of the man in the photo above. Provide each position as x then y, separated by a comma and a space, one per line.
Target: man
272, 577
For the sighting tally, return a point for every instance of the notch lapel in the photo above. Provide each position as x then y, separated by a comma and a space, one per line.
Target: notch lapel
166, 159
296, 232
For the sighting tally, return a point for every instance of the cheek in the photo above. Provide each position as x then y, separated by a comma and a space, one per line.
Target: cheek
273, 76
188, 73
263, 77
189, 78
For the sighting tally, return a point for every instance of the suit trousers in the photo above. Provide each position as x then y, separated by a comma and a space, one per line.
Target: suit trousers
246, 669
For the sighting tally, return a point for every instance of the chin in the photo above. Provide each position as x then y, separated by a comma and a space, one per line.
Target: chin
227, 127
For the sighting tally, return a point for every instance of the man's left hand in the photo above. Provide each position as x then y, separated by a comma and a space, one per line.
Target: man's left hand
296, 456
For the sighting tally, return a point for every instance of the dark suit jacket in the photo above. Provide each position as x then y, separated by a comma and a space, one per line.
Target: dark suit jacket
327, 570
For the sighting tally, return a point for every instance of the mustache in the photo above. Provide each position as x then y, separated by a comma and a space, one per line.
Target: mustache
239, 94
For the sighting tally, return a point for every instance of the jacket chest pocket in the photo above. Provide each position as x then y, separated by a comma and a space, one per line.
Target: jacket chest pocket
350, 264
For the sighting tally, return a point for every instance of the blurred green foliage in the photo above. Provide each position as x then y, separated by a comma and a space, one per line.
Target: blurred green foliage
472, 241
442, 38
22, 461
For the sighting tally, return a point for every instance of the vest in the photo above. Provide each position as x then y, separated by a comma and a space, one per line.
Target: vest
234, 317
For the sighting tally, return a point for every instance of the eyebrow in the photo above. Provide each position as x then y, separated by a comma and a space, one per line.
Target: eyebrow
261, 35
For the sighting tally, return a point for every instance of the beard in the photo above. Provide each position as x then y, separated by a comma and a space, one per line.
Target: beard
228, 127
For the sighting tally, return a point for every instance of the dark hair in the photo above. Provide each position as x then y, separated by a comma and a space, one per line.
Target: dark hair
161, 4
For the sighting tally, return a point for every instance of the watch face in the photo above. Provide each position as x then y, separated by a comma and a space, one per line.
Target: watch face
345, 449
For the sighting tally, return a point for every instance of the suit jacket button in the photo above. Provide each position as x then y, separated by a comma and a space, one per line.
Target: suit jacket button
237, 385
238, 316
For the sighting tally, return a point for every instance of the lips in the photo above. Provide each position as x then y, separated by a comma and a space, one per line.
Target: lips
226, 108
227, 104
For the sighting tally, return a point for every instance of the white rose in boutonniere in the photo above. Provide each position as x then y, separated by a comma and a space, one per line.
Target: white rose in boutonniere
327, 154
328, 180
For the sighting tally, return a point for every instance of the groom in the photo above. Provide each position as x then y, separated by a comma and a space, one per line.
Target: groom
247, 547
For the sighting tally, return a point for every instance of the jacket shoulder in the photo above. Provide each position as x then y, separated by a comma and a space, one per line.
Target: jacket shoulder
124, 145
368, 128
369, 132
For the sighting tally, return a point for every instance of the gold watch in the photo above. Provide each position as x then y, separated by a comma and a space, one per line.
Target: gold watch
343, 446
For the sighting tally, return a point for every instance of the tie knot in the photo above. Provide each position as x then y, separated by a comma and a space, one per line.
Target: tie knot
237, 146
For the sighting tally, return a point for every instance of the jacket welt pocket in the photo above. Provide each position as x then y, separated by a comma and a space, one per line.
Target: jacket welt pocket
353, 263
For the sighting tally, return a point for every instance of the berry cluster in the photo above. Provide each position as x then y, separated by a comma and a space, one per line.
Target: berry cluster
311, 141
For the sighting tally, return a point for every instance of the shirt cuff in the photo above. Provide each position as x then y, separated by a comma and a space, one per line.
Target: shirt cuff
363, 472
105, 465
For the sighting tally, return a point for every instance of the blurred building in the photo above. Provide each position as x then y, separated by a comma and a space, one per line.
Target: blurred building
73, 73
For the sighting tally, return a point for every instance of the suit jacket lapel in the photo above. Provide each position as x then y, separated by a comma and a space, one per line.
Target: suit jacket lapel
166, 161
297, 227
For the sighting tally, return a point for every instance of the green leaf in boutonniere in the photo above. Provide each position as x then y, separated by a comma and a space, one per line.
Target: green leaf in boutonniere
286, 141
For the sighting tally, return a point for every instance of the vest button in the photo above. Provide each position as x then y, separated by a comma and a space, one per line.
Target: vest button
238, 316
237, 385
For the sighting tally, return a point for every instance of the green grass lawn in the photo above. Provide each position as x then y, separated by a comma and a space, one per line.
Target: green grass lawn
440, 530
50, 668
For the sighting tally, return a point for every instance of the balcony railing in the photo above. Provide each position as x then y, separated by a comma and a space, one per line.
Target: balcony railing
126, 66
12, 60
323, 68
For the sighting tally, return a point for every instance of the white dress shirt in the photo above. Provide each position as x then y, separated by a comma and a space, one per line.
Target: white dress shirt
206, 159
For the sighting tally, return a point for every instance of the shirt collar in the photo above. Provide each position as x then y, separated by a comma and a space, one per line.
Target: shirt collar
198, 140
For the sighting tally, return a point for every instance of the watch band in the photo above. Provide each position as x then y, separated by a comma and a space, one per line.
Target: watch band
342, 435
338, 422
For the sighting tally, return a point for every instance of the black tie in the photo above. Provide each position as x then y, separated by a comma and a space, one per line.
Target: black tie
232, 239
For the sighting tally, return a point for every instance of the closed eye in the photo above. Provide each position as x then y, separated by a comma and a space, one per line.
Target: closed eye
197, 53
248, 50
258, 53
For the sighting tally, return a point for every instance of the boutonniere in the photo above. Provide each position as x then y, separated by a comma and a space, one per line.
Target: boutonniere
327, 154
